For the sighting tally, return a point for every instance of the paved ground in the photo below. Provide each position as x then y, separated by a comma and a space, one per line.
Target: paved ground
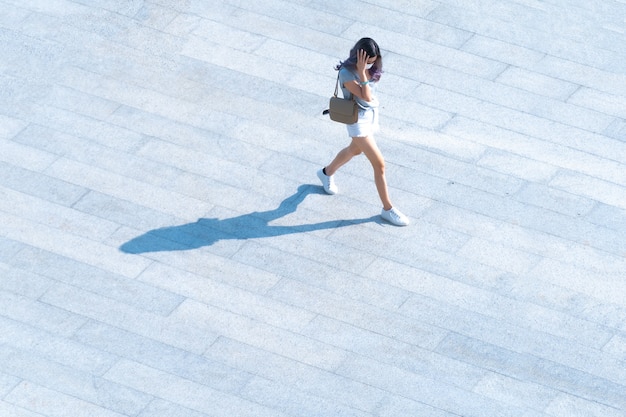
166, 250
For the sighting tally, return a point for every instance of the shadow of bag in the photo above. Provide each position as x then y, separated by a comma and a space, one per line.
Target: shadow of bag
342, 110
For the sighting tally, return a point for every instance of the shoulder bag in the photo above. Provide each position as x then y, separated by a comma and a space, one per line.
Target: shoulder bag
342, 110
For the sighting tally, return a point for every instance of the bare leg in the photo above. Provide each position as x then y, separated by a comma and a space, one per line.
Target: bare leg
344, 155
368, 146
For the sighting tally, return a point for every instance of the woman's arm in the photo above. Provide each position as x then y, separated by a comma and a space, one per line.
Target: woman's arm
360, 88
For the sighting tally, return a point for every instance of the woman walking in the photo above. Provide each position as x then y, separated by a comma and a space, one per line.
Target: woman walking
358, 76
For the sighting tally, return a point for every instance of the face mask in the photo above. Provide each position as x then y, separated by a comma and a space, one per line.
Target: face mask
368, 66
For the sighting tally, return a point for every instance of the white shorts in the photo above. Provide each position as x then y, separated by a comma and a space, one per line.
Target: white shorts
367, 124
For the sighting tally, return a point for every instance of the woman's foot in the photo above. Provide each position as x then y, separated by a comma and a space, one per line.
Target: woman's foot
394, 216
328, 182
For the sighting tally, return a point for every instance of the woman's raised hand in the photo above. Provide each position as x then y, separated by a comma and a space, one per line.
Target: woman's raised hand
361, 61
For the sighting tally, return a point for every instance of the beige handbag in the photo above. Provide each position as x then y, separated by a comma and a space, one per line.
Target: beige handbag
342, 110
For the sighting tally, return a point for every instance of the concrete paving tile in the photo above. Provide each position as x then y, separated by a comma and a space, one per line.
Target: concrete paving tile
392, 352
54, 240
10, 127
352, 286
68, 126
548, 137
27, 54
357, 313
603, 286
522, 97
557, 200
275, 261
617, 130
241, 40
325, 251
437, 393
146, 98
577, 73
598, 160
258, 66
452, 170
606, 192
199, 8
309, 379
232, 299
434, 141
396, 405
98, 281
67, 381
517, 166
155, 16
167, 330
262, 335
502, 50
496, 22
161, 207
40, 315
515, 392
13, 16
123, 212
608, 216
273, 27
40, 185
537, 83
549, 246
534, 413
565, 300
220, 269
204, 141
55, 215
20, 282
511, 337
16, 411
55, 348
184, 392
294, 402
422, 259
61, 7
120, 186
616, 346
461, 220
161, 356
490, 303
72, 100
7, 383
568, 405
123, 8
498, 256
533, 369
162, 408
50, 402
318, 19
402, 17
187, 160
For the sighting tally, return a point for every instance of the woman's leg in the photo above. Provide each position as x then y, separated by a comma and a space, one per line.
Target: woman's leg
368, 146
344, 155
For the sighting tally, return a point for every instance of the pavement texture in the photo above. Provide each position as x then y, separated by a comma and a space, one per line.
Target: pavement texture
166, 248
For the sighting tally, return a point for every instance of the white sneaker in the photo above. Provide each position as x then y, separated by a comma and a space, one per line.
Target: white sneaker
394, 216
328, 182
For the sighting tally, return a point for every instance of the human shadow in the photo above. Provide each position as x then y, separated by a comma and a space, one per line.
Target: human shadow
205, 232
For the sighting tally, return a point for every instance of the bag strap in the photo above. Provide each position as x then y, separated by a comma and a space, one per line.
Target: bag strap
336, 92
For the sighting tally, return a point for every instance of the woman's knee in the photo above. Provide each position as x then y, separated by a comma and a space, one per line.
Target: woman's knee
355, 149
379, 166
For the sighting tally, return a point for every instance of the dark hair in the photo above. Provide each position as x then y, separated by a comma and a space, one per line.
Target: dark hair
371, 48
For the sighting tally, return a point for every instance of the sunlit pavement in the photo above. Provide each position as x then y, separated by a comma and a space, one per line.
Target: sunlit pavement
166, 249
